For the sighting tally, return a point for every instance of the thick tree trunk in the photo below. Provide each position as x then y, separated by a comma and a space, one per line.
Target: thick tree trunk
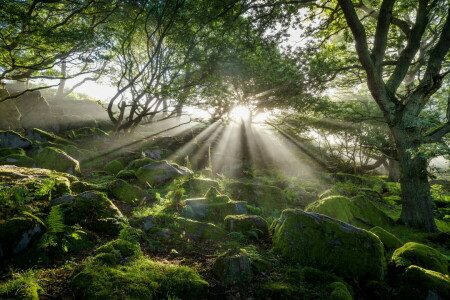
417, 209
393, 170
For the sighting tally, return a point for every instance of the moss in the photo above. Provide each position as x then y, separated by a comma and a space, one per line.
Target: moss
316, 240
12, 151
19, 160
233, 267
389, 240
420, 255
201, 209
267, 196
12, 139
95, 211
23, 286
246, 223
359, 212
139, 163
126, 192
121, 248
202, 230
106, 259
56, 159
424, 283
339, 291
16, 234
315, 276
159, 173
39, 135
199, 186
126, 174
279, 290
141, 279
114, 167
81, 186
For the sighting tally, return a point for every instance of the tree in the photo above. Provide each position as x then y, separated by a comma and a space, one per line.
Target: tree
391, 56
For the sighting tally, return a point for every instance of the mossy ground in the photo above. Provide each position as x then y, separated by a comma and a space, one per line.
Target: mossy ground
174, 257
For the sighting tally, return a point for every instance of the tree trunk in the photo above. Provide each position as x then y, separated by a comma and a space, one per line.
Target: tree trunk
62, 82
394, 170
417, 206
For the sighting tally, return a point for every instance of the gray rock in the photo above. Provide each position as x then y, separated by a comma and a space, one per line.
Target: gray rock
158, 173
233, 267
10, 139
62, 199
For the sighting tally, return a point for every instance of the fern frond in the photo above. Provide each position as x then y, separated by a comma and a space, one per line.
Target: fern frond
55, 220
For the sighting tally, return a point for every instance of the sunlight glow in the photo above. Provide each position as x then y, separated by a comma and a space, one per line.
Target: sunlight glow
240, 113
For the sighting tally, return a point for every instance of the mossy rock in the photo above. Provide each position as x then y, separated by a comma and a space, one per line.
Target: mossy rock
279, 290
25, 286
19, 160
94, 211
316, 240
420, 255
81, 186
87, 132
233, 267
122, 251
139, 163
159, 173
247, 223
126, 175
56, 159
39, 135
17, 234
316, 276
358, 212
420, 283
266, 196
12, 139
126, 192
339, 291
199, 186
203, 210
140, 279
202, 230
389, 240
114, 167
11, 151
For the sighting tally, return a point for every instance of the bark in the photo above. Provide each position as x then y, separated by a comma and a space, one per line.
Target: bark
62, 82
417, 205
393, 168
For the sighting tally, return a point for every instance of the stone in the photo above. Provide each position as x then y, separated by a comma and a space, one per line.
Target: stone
311, 239
62, 199
144, 223
358, 212
159, 173
155, 153
420, 255
201, 209
339, 291
17, 160
94, 211
16, 234
55, 159
199, 186
389, 240
233, 267
11, 151
9, 114
114, 167
420, 283
11, 138
35, 134
128, 193
200, 230
266, 196
246, 223
36, 112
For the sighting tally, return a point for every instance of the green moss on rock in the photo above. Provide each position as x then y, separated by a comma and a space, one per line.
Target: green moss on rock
246, 223
126, 192
389, 240
141, 279
420, 283
56, 159
420, 255
19, 160
11, 151
121, 249
312, 239
233, 267
24, 287
114, 167
267, 196
339, 291
195, 229
39, 135
12, 139
159, 173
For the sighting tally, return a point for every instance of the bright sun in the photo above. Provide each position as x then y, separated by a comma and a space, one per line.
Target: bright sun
240, 113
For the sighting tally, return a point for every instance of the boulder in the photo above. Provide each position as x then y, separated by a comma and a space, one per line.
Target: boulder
155, 153
311, 239
55, 159
233, 267
359, 212
419, 283
120, 249
202, 230
11, 151
144, 223
389, 240
246, 223
16, 234
36, 112
201, 209
339, 291
94, 211
159, 173
11, 138
9, 114
420, 255
114, 167
35, 134
19, 160
199, 186
128, 193
266, 196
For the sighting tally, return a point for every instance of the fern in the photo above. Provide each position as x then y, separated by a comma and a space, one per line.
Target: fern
55, 220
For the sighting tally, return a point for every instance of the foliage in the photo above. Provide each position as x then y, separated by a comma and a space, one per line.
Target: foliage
24, 285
